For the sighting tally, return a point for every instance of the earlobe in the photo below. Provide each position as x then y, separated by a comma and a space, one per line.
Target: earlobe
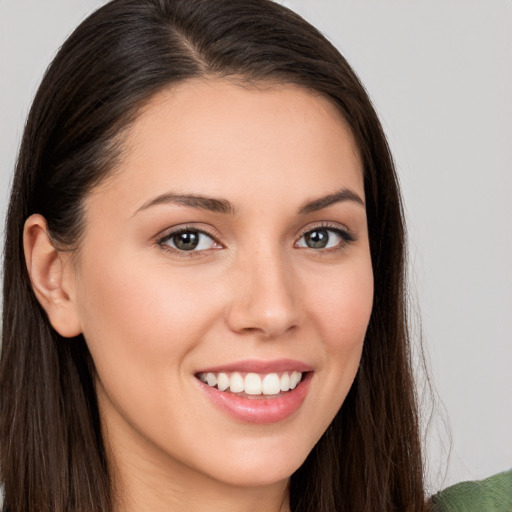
51, 277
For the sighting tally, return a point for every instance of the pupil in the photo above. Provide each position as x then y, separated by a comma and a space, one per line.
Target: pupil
186, 241
317, 239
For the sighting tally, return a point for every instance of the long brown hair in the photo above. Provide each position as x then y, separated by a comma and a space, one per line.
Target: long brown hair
52, 453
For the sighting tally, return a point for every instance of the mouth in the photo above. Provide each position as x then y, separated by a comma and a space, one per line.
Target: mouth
252, 385
251, 392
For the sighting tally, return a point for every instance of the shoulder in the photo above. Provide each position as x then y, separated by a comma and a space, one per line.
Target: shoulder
493, 494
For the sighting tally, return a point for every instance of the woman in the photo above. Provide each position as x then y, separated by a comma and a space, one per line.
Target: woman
204, 275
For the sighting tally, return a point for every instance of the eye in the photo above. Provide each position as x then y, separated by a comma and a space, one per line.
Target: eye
190, 240
325, 238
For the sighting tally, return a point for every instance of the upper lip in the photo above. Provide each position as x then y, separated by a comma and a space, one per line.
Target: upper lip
260, 366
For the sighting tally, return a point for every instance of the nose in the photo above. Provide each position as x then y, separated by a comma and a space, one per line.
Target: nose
265, 298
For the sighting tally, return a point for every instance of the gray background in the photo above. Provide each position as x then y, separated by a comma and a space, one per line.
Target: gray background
440, 75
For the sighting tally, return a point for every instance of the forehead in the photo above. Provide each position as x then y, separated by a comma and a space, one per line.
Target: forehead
225, 137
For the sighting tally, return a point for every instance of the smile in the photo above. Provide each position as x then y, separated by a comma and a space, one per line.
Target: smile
252, 384
257, 391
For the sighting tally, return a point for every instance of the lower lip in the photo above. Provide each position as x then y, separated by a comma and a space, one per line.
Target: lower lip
260, 410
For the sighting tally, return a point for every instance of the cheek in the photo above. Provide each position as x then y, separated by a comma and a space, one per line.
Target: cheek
339, 304
140, 316
341, 314
342, 306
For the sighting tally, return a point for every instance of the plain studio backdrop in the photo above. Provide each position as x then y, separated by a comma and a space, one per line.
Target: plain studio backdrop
440, 75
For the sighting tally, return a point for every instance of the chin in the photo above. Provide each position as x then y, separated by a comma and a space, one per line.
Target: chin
260, 466
240, 475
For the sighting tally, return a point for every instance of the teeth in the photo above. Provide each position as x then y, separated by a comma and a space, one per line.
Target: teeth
295, 379
285, 382
236, 383
253, 383
271, 384
222, 381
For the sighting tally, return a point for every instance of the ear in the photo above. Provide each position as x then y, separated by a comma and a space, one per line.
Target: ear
52, 275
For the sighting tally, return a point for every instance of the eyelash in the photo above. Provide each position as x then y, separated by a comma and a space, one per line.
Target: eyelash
186, 229
346, 236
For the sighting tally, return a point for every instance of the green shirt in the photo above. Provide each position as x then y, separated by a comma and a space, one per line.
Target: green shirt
493, 494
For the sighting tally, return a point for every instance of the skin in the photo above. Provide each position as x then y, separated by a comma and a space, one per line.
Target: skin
153, 316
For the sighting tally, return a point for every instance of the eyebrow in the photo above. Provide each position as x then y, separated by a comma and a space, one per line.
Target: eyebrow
225, 207
343, 195
194, 201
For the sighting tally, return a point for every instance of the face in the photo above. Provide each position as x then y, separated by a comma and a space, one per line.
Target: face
229, 246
